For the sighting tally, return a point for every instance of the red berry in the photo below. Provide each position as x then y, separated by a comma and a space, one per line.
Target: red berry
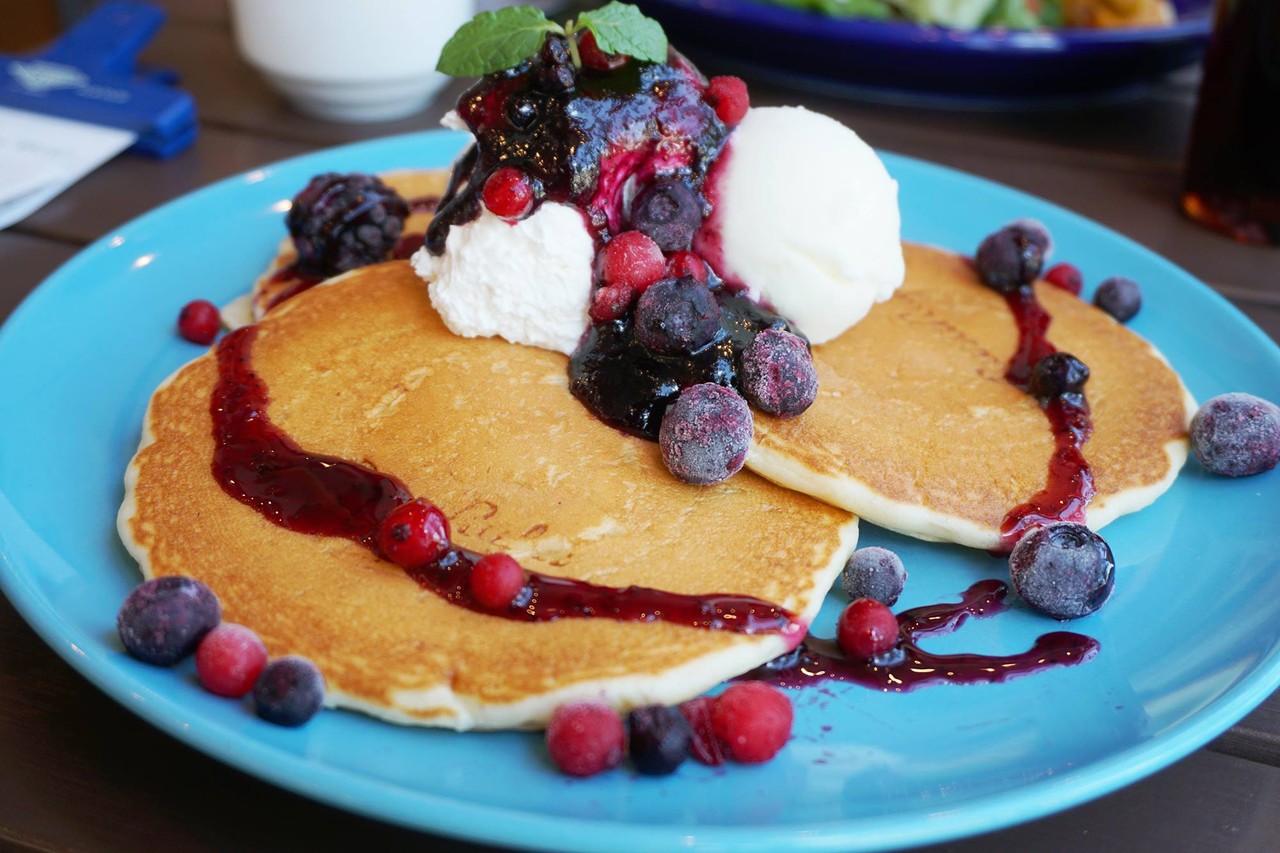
414, 534
585, 738
593, 57
199, 321
508, 193
632, 259
610, 303
752, 721
867, 628
496, 580
1066, 276
704, 745
729, 97
685, 263
229, 660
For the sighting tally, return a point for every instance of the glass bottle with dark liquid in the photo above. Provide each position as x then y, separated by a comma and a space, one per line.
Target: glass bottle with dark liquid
1232, 182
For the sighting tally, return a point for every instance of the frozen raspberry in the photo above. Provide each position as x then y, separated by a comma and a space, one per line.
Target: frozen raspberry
1065, 276
752, 721
415, 533
496, 580
1120, 297
632, 259
199, 322
229, 660
595, 58
611, 302
669, 212
289, 691
341, 222
659, 739
1057, 374
1009, 259
705, 434
585, 738
163, 620
677, 316
1064, 570
508, 193
875, 573
1236, 435
728, 95
682, 264
866, 629
778, 377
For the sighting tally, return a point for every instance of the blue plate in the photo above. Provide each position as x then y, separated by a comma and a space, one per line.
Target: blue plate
1190, 640
893, 59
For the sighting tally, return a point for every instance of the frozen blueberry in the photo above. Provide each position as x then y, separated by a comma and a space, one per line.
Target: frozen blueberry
875, 573
289, 691
341, 222
659, 739
777, 374
676, 315
1010, 258
1057, 374
669, 212
1035, 231
163, 620
1064, 570
1120, 297
705, 434
1236, 435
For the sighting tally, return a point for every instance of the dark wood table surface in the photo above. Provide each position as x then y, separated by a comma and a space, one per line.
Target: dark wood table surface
77, 772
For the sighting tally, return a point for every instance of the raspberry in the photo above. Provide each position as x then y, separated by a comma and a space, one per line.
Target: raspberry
632, 259
289, 691
508, 193
199, 322
866, 629
659, 739
1064, 570
752, 720
687, 264
778, 377
1009, 259
705, 434
595, 58
585, 738
229, 660
875, 573
341, 222
163, 620
1065, 276
496, 580
415, 533
676, 316
703, 744
1057, 374
729, 97
669, 212
1236, 435
1120, 297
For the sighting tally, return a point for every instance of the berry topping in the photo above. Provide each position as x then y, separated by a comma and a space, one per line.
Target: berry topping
611, 302
163, 620
875, 573
496, 580
705, 434
669, 212
289, 692
632, 259
704, 746
659, 740
508, 193
1064, 570
778, 377
677, 315
729, 97
199, 322
585, 738
414, 534
341, 222
1236, 435
867, 629
556, 74
595, 58
752, 720
1009, 259
1057, 374
1120, 297
229, 660
1065, 276
682, 264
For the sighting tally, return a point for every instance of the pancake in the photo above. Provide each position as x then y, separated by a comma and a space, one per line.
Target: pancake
362, 368
916, 429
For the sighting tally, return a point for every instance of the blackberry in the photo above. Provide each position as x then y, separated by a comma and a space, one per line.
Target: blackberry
660, 739
677, 316
342, 222
778, 377
163, 620
875, 573
1236, 435
1064, 570
1120, 297
1010, 258
1057, 374
669, 212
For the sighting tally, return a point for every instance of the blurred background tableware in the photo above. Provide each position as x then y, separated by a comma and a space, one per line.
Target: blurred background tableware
1232, 182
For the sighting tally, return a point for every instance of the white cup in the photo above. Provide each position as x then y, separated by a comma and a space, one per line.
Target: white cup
349, 60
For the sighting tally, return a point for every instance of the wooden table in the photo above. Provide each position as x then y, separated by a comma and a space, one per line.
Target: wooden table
81, 773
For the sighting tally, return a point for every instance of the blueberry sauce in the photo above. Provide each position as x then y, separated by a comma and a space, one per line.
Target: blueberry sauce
910, 666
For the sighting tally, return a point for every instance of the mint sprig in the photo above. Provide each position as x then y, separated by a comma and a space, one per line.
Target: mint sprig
493, 41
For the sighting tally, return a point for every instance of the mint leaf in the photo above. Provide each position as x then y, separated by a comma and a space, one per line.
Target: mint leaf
492, 41
622, 28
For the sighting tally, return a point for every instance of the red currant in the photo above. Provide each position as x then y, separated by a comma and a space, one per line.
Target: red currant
752, 720
1066, 276
729, 97
593, 57
704, 746
199, 322
496, 580
633, 260
229, 660
585, 738
610, 303
866, 629
508, 193
685, 263
414, 534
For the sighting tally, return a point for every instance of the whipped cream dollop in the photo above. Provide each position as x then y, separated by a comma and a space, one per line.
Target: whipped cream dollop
806, 216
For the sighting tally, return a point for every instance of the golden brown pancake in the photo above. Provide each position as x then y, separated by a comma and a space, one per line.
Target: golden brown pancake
916, 429
362, 368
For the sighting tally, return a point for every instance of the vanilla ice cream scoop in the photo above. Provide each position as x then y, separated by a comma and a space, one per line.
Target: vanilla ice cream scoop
806, 216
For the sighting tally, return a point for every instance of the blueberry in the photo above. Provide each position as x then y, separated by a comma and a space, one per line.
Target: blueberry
875, 573
1236, 435
341, 222
676, 316
778, 377
1120, 297
1010, 258
1064, 570
522, 112
163, 620
659, 739
1036, 233
669, 212
1057, 374
289, 691
705, 434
